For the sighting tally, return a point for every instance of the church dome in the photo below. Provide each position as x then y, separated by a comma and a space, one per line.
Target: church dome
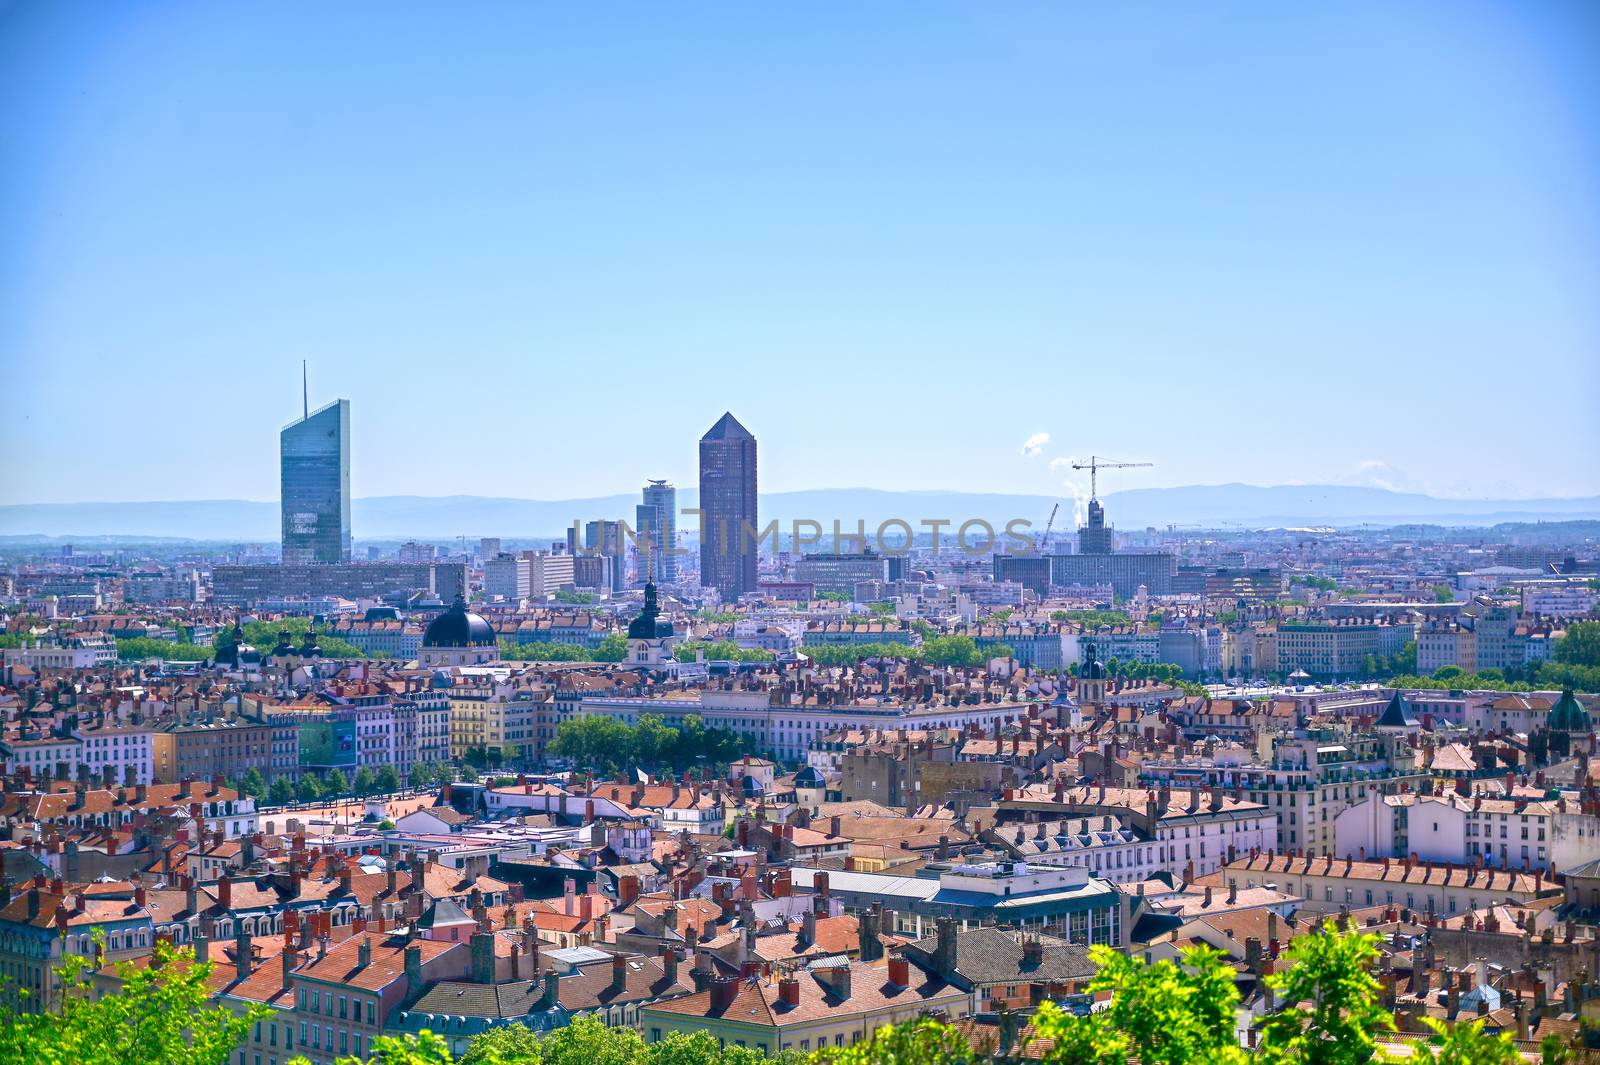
457, 627
648, 625
1568, 715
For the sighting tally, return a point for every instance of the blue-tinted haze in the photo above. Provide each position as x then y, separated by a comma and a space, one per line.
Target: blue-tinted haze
541, 247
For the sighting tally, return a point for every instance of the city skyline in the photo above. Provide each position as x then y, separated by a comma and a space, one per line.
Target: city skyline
1222, 209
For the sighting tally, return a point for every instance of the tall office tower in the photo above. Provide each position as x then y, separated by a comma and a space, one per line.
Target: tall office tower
656, 524
605, 538
315, 486
728, 526
1094, 538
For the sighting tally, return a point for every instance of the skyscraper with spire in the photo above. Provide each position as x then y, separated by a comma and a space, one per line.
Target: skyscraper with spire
314, 455
728, 526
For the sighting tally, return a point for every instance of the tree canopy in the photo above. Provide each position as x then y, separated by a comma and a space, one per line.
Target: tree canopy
604, 744
162, 1015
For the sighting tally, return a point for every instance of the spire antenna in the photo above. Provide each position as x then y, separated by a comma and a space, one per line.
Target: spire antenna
305, 391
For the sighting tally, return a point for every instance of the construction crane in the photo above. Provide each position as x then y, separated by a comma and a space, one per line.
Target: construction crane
1096, 464
1044, 538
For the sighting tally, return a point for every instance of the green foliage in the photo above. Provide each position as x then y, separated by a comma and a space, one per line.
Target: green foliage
588, 1041
1464, 1043
720, 651
953, 651
1334, 1010
162, 1015
833, 597
498, 1046
1324, 584
364, 782
1164, 1013
838, 654
1155, 617
1553, 1050
254, 784
263, 636
614, 648
1000, 617
135, 648
427, 774
307, 789
576, 598
923, 1042
1580, 646
335, 784
1092, 619
602, 743
281, 792
542, 651
719, 617
883, 611
424, 1049
1443, 594
387, 781
1227, 617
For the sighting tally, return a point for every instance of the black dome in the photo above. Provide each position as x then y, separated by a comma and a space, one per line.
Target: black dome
458, 628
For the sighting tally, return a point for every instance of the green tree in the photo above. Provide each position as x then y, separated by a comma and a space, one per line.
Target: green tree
423, 1049
254, 784
137, 648
827, 654
281, 792
1163, 1013
588, 1041
1443, 594
1465, 1043
263, 636
542, 651
652, 740
1334, 1012
923, 1042
1093, 619
593, 741
498, 1046
365, 782
162, 1015
952, 651
1553, 1050
614, 648
720, 651
1581, 644
424, 775
387, 781
307, 789
335, 784
833, 597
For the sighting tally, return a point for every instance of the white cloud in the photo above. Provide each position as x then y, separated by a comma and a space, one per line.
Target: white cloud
1060, 463
1035, 444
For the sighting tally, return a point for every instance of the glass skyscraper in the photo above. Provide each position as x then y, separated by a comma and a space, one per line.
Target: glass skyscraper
656, 521
315, 486
728, 527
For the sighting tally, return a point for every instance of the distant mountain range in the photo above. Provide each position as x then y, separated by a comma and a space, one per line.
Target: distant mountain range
436, 517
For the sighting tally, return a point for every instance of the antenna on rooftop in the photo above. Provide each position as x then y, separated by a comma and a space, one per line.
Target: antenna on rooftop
305, 391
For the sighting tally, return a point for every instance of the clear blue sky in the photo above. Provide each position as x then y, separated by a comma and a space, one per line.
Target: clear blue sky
541, 247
